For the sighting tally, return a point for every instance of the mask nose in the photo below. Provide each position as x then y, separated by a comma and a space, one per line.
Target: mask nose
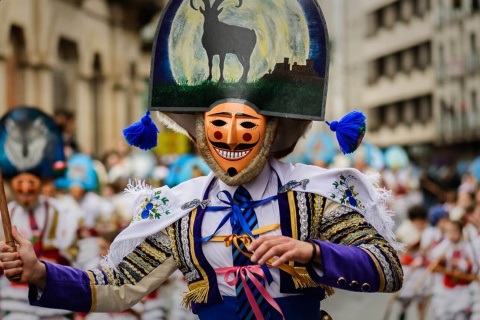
232, 139
25, 187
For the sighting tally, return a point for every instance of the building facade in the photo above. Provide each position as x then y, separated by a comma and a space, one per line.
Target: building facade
398, 96
421, 79
81, 56
456, 54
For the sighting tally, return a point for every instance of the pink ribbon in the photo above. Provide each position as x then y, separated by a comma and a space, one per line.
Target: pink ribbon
249, 271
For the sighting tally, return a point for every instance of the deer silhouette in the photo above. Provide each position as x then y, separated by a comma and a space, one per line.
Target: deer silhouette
220, 38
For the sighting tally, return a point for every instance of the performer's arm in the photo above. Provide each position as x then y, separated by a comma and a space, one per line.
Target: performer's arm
352, 256
100, 290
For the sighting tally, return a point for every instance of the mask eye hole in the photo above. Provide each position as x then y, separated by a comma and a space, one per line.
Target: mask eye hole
248, 125
218, 123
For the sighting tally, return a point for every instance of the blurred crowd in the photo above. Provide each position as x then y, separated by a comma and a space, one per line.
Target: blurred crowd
436, 206
93, 210
437, 215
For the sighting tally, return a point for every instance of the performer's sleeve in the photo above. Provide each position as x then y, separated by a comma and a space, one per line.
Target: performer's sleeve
355, 256
106, 290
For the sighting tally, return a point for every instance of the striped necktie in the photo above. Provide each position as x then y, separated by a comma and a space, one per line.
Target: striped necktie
244, 310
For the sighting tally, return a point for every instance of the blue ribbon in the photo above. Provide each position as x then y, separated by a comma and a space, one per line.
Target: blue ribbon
235, 214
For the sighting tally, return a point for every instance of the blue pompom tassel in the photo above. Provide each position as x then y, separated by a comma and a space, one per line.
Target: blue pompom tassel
350, 131
142, 134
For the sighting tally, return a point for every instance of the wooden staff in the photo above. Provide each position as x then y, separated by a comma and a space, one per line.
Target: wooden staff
7, 224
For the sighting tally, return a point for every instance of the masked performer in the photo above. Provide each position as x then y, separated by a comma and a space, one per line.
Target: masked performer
32, 147
256, 238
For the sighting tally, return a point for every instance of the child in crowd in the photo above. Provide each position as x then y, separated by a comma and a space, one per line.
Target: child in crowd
452, 301
410, 232
473, 237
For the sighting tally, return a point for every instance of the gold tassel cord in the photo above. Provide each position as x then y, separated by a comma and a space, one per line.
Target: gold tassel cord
198, 293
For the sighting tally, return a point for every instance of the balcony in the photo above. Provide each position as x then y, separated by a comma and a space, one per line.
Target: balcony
372, 5
444, 16
401, 36
401, 87
402, 134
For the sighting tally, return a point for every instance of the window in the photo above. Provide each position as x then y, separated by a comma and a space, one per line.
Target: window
131, 93
473, 43
15, 68
475, 122
65, 76
408, 58
96, 87
457, 4
406, 10
423, 56
475, 5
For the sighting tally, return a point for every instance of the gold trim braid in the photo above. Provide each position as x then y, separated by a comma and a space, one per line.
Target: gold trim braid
94, 291
379, 268
53, 225
198, 291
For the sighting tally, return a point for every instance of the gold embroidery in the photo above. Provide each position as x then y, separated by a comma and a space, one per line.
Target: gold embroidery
155, 252
363, 236
53, 226
201, 287
93, 290
317, 215
397, 268
293, 217
342, 227
126, 271
140, 265
110, 277
172, 230
379, 268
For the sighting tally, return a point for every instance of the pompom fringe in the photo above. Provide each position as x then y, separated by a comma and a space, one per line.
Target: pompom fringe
350, 131
142, 134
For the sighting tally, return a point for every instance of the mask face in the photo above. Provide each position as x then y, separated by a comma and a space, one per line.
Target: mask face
235, 133
26, 188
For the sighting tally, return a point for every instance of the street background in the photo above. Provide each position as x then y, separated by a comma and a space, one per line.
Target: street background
412, 66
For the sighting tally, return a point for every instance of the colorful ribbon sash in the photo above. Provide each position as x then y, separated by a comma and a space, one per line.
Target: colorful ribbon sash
250, 272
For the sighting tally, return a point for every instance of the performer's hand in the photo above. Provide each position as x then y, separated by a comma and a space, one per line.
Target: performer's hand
285, 248
23, 262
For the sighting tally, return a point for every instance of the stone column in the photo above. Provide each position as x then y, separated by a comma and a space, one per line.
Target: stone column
3, 85
84, 116
106, 119
120, 111
45, 88
30, 87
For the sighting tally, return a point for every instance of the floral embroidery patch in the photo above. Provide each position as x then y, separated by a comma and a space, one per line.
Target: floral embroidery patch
344, 192
154, 207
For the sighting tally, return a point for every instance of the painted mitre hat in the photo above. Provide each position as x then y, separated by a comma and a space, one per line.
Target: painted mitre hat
270, 55
31, 142
80, 172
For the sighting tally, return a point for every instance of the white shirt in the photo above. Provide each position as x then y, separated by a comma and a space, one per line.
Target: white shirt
219, 256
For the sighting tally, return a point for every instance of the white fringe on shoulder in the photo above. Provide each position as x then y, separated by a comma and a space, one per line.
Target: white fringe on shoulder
137, 191
378, 214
